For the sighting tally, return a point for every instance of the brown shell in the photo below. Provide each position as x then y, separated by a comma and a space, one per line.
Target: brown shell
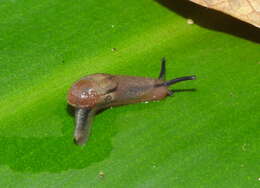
88, 91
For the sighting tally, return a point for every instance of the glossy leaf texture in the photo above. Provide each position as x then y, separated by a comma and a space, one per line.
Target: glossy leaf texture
203, 138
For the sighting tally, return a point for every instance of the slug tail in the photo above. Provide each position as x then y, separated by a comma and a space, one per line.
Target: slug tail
82, 130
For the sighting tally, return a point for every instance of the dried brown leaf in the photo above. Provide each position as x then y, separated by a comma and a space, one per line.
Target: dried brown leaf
245, 10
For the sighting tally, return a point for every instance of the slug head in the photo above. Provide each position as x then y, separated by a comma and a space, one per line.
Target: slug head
91, 91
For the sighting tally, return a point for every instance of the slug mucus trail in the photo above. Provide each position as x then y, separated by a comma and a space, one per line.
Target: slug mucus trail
99, 91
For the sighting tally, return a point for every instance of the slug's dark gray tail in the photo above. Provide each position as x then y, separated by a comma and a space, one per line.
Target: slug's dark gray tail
163, 69
83, 125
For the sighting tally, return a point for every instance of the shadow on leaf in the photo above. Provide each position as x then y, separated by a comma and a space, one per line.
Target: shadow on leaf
213, 19
56, 154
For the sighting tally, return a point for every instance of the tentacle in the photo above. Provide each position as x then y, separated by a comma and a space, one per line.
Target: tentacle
163, 69
176, 80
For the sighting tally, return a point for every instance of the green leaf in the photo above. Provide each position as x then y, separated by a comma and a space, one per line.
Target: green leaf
207, 138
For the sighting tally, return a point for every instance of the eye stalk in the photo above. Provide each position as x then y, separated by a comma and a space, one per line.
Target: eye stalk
176, 80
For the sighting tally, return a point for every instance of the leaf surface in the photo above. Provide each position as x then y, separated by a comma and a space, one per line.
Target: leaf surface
207, 138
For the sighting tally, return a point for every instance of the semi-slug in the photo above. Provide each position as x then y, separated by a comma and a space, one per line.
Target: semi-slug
98, 91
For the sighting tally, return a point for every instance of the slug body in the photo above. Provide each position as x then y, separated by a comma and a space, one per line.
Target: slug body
98, 91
